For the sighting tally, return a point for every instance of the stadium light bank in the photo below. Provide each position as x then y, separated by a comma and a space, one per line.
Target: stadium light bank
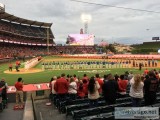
2, 7
86, 18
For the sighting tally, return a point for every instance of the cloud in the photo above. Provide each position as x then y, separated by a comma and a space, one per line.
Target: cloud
108, 23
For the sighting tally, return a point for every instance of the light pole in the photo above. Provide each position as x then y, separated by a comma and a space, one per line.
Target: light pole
86, 18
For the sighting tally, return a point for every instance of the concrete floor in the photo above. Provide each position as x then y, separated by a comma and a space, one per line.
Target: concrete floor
44, 112
10, 114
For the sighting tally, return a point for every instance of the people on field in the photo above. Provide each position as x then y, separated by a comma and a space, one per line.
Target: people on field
146, 71
136, 90
10, 67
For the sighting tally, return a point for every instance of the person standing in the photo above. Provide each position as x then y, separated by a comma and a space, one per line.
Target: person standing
150, 89
61, 87
136, 90
4, 91
110, 89
52, 84
93, 93
72, 90
1, 88
19, 92
100, 81
122, 83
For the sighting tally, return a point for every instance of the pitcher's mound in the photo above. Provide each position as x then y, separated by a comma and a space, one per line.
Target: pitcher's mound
23, 71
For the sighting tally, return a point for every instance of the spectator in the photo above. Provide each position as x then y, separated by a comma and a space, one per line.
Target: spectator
53, 83
85, 86
122, 83
1, 88
110, 89
19, 92
4, 91
150, 89
93, 93
72, 90
130, 76
100, 81
61, 87
85, 77
116, 76
80, 91
136, 90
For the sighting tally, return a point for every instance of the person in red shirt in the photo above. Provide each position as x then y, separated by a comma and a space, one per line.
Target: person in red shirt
100, 81
146, 71
122, 84
85, 77
61, 87
85, 86
19, 92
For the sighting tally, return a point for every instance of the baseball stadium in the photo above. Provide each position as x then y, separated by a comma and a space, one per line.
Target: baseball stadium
80, 80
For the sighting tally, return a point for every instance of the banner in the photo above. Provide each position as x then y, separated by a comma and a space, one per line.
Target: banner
30, 87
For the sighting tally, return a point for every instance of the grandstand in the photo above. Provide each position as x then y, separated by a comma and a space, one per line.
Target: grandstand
46, 100
21, 37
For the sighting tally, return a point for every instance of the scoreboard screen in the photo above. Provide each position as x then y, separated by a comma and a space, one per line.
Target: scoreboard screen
80, 39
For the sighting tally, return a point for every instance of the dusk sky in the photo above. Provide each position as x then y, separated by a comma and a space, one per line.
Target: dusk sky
108, 23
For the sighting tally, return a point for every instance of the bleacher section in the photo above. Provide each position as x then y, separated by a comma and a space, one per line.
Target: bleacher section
79, 109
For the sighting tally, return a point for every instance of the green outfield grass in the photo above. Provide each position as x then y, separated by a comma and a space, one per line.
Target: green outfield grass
45, 76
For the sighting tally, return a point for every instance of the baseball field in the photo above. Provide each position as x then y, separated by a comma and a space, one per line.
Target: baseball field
37, 75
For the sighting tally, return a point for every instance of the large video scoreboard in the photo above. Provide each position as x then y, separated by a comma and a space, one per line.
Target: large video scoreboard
80, 39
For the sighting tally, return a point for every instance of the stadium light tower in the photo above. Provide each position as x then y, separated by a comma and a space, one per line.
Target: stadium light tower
86, 18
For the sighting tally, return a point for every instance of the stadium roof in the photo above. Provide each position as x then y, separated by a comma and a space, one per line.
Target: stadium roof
12, 18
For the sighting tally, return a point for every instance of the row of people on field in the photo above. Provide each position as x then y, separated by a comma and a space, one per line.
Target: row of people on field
82, 65
145, 63
111, 87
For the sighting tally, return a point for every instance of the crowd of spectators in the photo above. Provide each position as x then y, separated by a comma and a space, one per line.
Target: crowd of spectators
137, 86
24, 30
21, 39
13, 50
76, 49
8, 50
